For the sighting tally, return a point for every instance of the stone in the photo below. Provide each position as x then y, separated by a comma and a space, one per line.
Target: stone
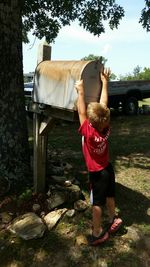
59, 179
80, 205
73, 193
147, 243
133, 234
67, 183
148, 211
5, 217
36, 207
56, 199
53, 217
81, 240
28, 226
56, 170
67, 166
70, 213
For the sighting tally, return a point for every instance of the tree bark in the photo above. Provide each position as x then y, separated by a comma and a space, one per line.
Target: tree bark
14, 149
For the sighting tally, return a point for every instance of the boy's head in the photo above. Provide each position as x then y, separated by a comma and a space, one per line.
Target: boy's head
98, 115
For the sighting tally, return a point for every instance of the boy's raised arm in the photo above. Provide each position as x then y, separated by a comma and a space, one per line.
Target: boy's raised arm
81, 106
104, 76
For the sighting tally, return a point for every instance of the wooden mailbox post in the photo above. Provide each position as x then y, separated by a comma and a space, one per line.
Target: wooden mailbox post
54, 96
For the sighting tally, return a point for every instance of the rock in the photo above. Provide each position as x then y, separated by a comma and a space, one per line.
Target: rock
36, 207
148, 211
67, 183
5, 217
147, 243
56, 199
133, 234
56, 170
28, 226
67, 166
59, 179
70, 213
81, 240
80, 205
53, 217
73, 193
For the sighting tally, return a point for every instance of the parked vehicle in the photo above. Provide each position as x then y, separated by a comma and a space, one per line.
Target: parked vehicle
28, 90
126, 94
123, 95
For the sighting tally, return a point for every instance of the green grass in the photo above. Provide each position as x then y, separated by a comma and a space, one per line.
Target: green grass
145, 101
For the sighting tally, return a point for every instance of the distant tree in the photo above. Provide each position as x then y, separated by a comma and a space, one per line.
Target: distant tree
145, 74
137, 74
113, 77
136, 71
102, 59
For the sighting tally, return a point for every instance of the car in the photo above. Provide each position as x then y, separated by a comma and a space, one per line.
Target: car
28, 91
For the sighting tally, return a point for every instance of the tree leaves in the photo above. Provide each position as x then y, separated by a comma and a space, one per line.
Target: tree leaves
46, 18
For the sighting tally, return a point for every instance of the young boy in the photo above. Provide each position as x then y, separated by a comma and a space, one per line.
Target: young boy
94, 128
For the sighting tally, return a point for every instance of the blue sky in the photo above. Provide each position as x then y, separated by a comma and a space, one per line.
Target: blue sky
124, 48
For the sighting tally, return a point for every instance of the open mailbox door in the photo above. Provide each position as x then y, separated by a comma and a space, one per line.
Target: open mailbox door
54, 82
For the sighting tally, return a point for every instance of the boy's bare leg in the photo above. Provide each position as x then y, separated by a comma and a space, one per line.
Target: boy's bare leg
110, 203
97, 215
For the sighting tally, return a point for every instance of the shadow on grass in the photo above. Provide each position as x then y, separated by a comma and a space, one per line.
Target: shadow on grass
133, 205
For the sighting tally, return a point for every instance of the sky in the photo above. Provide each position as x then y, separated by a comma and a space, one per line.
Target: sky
124, 48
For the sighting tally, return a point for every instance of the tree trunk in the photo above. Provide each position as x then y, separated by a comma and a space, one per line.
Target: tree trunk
14, 150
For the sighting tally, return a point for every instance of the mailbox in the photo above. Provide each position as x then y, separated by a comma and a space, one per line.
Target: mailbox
54, 82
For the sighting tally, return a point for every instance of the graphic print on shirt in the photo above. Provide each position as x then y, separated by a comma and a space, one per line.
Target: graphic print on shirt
100, 147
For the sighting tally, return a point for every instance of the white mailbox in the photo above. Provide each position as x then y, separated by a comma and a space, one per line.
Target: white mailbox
54, 82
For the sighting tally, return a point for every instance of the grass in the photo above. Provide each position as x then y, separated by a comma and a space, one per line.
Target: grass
130, 155
145, 101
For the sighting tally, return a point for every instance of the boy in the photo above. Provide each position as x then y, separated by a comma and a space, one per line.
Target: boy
94, 128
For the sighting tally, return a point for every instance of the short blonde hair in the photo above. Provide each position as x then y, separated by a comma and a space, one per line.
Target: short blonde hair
98, 114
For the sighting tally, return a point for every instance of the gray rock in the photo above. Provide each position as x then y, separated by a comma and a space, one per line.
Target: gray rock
73, 193
53, 217
148, 211
28, 226
36, 207
147, 243
56, 199
70, 213
59, 179
6, 217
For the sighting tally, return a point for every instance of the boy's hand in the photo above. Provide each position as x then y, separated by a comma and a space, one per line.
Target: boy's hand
105, 74
79, 86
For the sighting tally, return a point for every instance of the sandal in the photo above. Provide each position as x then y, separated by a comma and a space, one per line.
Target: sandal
115, 225
94, 241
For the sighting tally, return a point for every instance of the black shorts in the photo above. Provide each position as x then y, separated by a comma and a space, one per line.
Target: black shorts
102, 185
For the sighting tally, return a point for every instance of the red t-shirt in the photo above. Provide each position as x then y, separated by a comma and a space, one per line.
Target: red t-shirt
94, 146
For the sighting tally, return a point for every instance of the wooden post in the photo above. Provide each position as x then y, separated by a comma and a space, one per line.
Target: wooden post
40, 137
44, 52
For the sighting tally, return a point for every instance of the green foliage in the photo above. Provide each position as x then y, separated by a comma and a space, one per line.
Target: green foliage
137, 74
26, 195
145, 16
46, 18
113, 77
102, 59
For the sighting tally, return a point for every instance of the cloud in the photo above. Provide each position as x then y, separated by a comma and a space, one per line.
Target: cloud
106, 49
